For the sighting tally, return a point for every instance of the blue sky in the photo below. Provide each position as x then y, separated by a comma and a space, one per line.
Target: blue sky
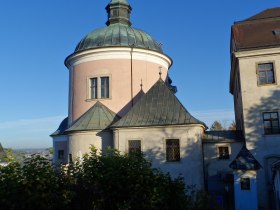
36, 37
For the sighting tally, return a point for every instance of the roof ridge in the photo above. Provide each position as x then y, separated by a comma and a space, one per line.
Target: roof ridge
267, 14
92, 119
155, 107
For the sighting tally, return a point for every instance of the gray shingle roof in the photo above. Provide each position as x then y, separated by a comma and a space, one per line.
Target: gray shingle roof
220, 136
62, 127
245, 161
98, 117
158, 107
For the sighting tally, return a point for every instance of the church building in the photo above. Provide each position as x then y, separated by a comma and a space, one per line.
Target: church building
121, 96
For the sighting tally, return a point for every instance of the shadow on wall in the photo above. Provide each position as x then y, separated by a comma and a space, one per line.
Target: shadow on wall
265, 147
254, 119
190, 165
128, 106
106, 140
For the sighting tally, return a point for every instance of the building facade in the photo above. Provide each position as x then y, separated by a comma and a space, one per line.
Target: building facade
141, 113
254, 83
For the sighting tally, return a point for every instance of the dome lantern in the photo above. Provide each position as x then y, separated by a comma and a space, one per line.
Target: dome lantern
118, 12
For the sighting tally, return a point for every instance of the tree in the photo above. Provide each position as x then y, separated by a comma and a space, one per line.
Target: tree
216, 126
99, 182
51, 150
232, 126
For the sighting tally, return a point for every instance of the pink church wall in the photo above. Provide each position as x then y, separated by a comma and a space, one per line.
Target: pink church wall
119, 71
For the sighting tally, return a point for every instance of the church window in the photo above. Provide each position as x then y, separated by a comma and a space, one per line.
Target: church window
104, 87
265, 73
245, 184
99, 87
172, 150
271, 123
93, 88
223, 152
60, 154
134, 146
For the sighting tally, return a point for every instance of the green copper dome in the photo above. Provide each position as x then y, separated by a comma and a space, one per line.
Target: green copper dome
118, 35
118, 32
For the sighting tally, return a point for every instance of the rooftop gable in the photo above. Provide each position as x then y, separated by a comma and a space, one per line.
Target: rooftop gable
268, 13
98, 117
245, 161
158, 107
258, 31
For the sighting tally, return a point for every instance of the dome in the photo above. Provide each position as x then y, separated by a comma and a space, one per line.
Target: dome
118, 35
118, 32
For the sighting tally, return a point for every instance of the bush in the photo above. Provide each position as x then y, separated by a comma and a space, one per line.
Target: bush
100, 182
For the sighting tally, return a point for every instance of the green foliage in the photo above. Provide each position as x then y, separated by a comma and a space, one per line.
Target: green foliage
9, 156
51, 150
98, 182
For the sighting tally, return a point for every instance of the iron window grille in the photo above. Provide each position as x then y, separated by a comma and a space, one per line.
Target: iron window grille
223, 152
172, 150
271, 123
134, 147
265, 73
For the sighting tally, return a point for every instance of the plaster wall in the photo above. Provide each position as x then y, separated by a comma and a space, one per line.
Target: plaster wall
218, 174
153, 144
276, 185
214, 165
145, 70
60, 143
257, 99
238, 105
245, 199
80, 143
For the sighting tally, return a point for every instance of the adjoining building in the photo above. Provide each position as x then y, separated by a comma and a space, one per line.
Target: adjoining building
254, 83
120, 96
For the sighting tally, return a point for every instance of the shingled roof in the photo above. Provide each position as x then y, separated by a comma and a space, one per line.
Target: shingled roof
223, 136
158, 107
258, 31
98, 117
62, 127
245, 161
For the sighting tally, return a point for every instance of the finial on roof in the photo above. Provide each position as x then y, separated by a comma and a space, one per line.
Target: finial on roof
141, 85
160, 73
118, 12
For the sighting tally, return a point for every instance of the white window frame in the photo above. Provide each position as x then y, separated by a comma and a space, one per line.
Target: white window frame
98, 87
